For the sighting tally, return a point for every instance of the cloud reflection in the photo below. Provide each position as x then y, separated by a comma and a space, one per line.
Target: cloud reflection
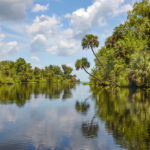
8, 114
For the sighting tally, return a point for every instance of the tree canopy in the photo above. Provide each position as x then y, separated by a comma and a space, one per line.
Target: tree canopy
126, 53
21, 71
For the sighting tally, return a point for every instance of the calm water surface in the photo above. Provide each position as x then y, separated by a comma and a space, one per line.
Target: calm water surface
45, 117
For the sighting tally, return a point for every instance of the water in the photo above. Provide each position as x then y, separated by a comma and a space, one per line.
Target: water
45, 117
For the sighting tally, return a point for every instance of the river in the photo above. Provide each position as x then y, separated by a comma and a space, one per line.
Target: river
46, 117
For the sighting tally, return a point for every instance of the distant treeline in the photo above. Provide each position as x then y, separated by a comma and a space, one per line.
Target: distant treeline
21, 71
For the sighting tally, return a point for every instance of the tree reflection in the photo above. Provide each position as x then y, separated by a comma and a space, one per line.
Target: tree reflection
126, 114
21, 93
90, 129
82, 107
67, 93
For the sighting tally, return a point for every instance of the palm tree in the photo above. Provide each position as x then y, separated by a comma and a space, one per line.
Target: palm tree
84, 64
91, 41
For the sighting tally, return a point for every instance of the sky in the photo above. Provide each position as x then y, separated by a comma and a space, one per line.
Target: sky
45, 32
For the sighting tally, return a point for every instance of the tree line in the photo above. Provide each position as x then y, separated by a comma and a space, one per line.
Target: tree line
21, 71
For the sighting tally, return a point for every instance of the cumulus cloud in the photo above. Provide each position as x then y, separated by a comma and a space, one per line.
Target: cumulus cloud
83, 20
43, 25
35, 61
7, 48
39, 7
49, 34
38, 43
14, 10
64, 47
35, 58
2, 36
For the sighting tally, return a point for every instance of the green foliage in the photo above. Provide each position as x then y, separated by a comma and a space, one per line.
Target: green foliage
90, 41
126, 115
82, 63
20, 94
67, 71
126, 54
20, 71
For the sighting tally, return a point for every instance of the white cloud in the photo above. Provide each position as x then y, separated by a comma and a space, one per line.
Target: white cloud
43, 25
35, 61
83, 20
56, 40
7, 48
35, 58
49, 36
39, 7
2, 36
14, 10
63, 47
38, 43
52, 50
11, 47
123, 9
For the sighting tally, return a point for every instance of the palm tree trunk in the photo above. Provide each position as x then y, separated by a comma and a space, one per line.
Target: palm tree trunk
103, 84
97, 58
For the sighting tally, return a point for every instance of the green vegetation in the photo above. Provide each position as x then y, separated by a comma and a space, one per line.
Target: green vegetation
124, 60
82, 106
126, 114
20, 71
89, 128
91, 41
19, 94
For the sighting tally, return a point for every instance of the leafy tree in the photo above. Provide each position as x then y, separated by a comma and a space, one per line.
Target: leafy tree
126, 54
84, 64
37, 71
21, 71
20, 65
91, 41
67, 70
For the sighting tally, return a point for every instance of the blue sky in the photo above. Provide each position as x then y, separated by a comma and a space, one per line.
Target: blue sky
50, 31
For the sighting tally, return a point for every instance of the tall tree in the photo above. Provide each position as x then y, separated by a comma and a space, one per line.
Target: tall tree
91, 41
